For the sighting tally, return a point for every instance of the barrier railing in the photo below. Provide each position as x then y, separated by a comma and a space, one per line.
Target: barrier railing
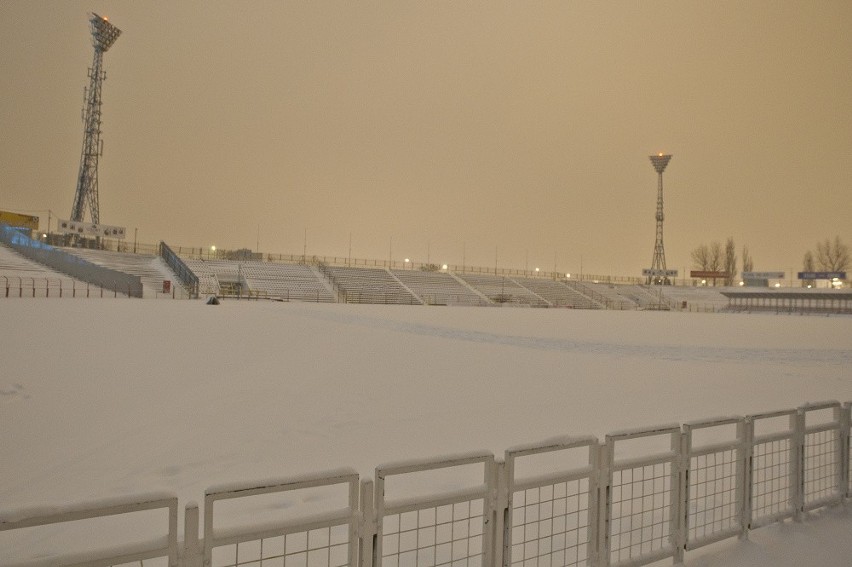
117, 552
714, 480
436, 528
552, 518
639, 497
328, 539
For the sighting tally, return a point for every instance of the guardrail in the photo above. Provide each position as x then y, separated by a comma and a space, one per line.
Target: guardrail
640, 496
181, 270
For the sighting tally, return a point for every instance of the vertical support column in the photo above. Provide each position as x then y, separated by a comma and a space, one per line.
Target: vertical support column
501, 511
845, 424
798, 464
604, 503
746, 475
682, 527
367, 532
680, 503
594, 511
192, 554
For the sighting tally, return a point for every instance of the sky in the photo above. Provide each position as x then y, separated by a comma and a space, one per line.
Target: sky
179, 396
508, 134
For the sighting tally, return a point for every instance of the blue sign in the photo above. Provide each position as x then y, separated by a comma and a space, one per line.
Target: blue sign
822, 275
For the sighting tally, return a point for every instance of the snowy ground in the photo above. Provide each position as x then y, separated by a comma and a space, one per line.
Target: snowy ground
102, 398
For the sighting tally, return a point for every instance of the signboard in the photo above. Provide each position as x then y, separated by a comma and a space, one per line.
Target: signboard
822, 275
18, 220
707, 275
763, 275
659, 273
90, 229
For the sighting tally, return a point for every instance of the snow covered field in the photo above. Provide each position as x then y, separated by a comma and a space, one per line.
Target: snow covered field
104, 398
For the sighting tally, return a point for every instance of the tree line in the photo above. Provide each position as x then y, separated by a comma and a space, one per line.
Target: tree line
828, 256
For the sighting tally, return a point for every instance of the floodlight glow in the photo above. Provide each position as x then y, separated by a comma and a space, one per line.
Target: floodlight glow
660, 162
444, 267
778, 285
104, 33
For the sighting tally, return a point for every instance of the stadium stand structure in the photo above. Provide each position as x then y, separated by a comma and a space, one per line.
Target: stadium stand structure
557, 293
285, 281
152, 270
23, 276
503, 290
439, 288
208, 281
369, 285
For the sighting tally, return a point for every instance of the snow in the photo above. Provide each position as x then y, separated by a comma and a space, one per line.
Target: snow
114, 397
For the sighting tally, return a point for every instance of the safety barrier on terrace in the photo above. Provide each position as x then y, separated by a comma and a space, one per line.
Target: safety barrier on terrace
71, 265
640, 496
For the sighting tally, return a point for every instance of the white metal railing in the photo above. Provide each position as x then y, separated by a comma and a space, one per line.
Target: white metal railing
453, 527
641, 499
714, 481
640, 496
328, 539
773, 471
551, 518
822, 454
114, 552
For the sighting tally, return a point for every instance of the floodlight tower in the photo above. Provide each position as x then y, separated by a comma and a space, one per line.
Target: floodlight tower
658, 264
104, 35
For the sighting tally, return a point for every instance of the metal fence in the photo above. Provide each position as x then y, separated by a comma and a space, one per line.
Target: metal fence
639, 497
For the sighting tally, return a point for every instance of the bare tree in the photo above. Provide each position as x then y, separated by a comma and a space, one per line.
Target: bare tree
832, 256
748, 261
808, 265
708, 258
730, 261
701, 257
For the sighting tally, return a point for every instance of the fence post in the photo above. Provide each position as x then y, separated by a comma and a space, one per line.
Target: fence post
845, 424
679, 505
368, 529
501, 504
192, 556
680, 528
604, 503
798, 458
747, 476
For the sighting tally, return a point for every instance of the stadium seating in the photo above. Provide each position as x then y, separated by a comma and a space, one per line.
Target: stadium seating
439, 288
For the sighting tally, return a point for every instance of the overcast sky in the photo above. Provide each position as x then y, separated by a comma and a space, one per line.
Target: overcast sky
476, 132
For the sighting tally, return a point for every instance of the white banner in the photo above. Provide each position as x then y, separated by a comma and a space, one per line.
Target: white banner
90, 229
763, 275
659, 273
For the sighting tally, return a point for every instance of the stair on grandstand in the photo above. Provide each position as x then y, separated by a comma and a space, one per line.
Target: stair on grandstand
438, 288
208, 282
557, 293
370, 285
503, 290
296, 282
152, 270
21, 277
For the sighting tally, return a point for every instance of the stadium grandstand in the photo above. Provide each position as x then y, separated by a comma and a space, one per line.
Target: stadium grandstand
48, 267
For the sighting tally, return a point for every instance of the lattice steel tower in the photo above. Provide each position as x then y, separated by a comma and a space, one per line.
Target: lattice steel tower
104, 35
658, 264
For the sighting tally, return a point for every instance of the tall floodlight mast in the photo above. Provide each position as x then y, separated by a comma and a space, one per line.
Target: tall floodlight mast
104, 35
658, 273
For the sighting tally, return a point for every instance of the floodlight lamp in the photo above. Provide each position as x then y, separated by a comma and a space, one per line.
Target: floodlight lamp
104, 33
660, 161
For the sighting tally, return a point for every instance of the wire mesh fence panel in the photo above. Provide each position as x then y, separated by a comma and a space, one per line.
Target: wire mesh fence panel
714, 480
431, 529
550, 518
323, 547
642, 506
773, 467
318, 538
822, 453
